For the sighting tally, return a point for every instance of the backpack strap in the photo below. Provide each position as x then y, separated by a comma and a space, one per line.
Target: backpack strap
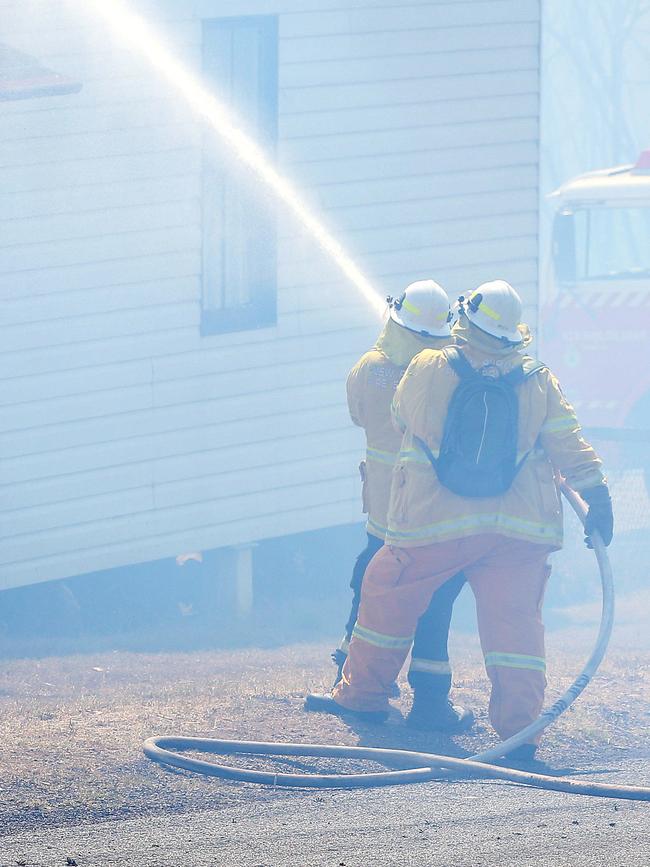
459, 364
464, 370
427, 451
529, 367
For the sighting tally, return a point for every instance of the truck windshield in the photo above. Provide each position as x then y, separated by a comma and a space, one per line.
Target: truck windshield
612, 243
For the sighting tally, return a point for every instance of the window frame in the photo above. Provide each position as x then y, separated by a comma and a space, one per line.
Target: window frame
261, 312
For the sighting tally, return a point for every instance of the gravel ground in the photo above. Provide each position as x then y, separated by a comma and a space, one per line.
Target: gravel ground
463, 825
76, 786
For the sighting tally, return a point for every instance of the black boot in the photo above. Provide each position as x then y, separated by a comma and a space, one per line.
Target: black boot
326, 704
435, 713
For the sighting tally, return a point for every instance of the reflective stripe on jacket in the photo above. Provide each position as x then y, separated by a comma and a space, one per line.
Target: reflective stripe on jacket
422, 511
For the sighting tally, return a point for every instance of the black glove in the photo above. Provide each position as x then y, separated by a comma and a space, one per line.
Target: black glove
600, 516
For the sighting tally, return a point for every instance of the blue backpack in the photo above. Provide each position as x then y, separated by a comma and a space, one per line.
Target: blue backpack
478, 453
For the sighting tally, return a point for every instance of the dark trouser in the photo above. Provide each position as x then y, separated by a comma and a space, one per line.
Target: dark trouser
429, 672
374, 544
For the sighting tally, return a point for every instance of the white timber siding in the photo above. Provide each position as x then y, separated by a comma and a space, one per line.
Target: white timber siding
125, 436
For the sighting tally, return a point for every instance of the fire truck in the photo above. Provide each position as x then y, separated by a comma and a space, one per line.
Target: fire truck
595, 318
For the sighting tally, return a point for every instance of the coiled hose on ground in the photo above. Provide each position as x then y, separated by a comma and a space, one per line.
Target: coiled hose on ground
415, 767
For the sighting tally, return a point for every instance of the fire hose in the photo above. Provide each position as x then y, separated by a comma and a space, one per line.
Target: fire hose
409, 766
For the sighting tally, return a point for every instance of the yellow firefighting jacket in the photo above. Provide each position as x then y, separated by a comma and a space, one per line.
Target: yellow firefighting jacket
371, 385
423, 511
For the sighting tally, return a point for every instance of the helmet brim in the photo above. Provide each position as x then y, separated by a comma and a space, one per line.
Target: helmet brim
511, 336
444, 331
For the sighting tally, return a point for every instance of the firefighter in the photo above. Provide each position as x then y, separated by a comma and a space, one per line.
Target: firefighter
419, 319
499, 530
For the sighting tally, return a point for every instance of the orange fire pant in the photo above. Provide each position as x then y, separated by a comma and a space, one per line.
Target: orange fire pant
508, 578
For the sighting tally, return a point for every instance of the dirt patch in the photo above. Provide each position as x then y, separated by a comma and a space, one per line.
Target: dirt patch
72, 727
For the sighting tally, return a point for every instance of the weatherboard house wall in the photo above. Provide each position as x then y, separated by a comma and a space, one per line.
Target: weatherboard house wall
126, 435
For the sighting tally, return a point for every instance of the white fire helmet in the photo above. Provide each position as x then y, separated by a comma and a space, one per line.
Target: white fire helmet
495, 308
423, 307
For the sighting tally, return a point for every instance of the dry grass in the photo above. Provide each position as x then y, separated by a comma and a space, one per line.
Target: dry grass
72, 727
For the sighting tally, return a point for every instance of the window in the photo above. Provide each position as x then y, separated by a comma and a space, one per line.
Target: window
240, 59
614, 243
602, 243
